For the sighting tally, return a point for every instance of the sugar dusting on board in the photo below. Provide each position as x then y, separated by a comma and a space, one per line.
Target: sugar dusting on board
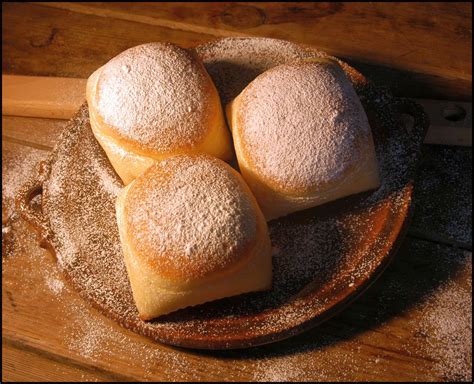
232, 71
19, 163
17, 167
446, 317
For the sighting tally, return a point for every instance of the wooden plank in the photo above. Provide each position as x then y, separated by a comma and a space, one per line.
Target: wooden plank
415, 85
406, 45
43, 41
451, 123
56, 40
55, 98
404, 36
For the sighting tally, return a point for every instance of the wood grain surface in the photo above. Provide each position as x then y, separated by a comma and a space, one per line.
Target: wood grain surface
401, 330
419, 50
36, 96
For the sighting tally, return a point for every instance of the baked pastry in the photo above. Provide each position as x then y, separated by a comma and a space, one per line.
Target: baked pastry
191, 232
154, 101
302, 137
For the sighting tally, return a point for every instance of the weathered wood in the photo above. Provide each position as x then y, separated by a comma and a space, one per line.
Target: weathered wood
404, 37
43, 41
421, 49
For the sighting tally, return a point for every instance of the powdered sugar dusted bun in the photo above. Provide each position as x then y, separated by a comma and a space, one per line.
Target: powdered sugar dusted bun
191, 232
302, 137
153, 101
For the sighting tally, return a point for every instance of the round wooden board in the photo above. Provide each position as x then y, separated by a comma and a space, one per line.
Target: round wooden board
323, 257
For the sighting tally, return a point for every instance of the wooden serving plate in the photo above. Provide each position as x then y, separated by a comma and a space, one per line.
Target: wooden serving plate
324, 257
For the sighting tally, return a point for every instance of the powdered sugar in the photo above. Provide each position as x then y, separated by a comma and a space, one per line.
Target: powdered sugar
190, 215
55, 285
155, 94
19, 163
449, 320
446, 321
19, 166
302, 125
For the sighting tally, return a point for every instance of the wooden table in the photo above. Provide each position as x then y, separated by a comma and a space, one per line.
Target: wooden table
413, 324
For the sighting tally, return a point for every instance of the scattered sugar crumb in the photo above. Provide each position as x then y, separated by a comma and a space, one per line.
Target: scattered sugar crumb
55, 285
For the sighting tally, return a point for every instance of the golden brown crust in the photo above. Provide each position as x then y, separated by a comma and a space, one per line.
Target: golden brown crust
314, 152
191, 232
182, 113
211, 117
227, 193
272, 183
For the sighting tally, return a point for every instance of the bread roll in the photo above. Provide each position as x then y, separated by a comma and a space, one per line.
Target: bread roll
191, 232
154, 101
302, 137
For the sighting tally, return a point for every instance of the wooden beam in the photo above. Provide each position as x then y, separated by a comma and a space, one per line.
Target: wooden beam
59, 98
50, 97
